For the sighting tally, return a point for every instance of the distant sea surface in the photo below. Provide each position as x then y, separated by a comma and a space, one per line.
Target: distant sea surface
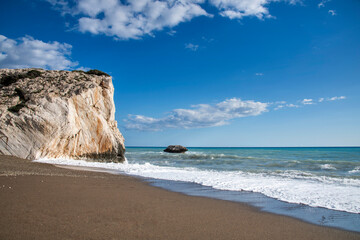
319, 185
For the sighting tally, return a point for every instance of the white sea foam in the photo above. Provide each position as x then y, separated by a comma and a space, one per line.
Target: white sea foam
290, 186
327, 167
356, 170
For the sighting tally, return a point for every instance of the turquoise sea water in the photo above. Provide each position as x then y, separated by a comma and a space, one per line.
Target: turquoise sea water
320, 177
339, 162
318, 185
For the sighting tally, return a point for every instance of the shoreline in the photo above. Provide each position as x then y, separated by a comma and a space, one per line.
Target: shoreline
313, 215
318, 216
96, 205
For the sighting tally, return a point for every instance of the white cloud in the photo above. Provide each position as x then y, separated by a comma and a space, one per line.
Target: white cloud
192, 47
290, 105
28, 52
199, 116
132, 19
206, 115
63, 6
332, 12
336, 98
259, 74
311, 101
307, 101
332, 98
237, 9
242, 8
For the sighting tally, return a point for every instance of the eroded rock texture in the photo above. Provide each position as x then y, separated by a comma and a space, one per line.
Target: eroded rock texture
58, 114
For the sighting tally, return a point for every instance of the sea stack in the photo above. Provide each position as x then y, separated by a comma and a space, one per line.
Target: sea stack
58, 114
175, 149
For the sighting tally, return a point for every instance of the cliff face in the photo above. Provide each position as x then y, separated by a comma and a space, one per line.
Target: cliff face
58, 114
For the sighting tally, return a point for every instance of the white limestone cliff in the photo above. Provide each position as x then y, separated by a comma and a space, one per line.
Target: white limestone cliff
58, 114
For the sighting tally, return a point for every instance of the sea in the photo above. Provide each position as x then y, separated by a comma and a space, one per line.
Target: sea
320, 185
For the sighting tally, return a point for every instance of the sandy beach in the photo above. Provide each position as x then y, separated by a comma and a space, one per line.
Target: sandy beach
41, 201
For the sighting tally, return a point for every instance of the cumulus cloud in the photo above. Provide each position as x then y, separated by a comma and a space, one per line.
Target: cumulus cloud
259, 74
199, 116
132, 19
192, 47
28, 52
237, 9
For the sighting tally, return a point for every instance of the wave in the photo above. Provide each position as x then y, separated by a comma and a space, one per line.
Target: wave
268, 161
327, 167
187, 155
289, 186
355, 170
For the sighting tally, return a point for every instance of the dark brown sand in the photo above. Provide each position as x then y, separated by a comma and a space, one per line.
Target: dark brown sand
40, 201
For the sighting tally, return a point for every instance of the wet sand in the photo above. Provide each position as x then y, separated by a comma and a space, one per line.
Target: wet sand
41, 201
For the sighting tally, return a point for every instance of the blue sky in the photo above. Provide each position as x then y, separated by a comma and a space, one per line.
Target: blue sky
205, 73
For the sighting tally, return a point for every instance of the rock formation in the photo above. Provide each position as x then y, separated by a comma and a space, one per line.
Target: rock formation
58, 114
175, 149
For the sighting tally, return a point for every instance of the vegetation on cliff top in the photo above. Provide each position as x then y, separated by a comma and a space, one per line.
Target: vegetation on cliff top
93, 72
24, 83
97, 72
10, 79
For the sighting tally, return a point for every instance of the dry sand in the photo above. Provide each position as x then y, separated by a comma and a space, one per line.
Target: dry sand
41, 201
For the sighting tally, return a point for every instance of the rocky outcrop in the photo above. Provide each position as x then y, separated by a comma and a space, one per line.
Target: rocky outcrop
58, 114
175, 149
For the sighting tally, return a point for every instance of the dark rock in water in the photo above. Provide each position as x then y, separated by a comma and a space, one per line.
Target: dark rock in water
175, 149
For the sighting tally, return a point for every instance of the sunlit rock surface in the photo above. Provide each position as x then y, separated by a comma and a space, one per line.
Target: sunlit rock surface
58, 114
